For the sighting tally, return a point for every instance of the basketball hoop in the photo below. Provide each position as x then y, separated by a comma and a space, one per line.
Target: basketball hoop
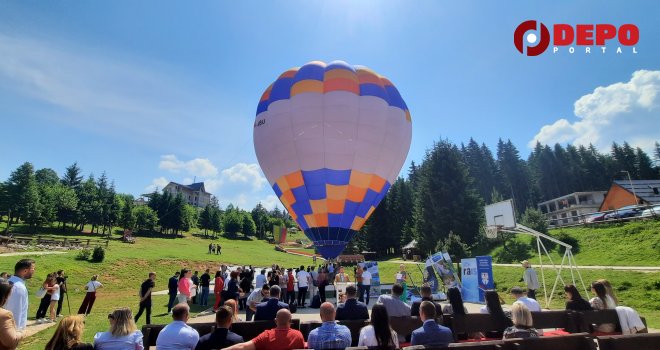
491, 231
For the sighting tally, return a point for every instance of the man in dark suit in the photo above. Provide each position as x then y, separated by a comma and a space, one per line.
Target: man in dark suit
430, 333
352, 309
425, 291
172, 286
268, 309
221, 337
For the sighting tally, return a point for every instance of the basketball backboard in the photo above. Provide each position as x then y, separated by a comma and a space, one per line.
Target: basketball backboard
501, 214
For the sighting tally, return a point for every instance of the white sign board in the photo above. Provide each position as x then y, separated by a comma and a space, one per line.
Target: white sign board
501, 214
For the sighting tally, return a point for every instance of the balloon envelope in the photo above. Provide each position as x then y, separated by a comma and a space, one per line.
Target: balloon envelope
331, 139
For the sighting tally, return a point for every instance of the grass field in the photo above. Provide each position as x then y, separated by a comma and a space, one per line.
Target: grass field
127, 265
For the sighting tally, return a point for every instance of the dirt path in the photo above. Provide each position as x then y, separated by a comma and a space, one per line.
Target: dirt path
581, 267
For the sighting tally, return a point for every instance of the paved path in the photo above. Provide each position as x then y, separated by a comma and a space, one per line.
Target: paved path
581, 267
33, 253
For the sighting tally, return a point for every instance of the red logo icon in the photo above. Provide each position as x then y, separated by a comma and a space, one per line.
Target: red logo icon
543, 40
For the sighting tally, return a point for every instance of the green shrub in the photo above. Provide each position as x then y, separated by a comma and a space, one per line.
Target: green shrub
514, 252
83, 254
624, 286
564, 237
652, 285
99, 254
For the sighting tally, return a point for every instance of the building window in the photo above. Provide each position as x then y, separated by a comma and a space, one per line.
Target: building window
552, 207
574, 214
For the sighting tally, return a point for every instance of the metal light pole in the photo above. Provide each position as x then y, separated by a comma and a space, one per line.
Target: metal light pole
631, 185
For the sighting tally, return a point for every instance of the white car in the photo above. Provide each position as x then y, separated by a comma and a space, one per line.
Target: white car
651, 211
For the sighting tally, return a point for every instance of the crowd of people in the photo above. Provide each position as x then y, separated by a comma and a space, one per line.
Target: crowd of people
271, 294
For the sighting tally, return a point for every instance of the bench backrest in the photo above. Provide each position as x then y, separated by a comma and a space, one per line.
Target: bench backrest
586, 319
474, 323
250, 329
640, 341
555, 319
354, 326
405, 325
578, 341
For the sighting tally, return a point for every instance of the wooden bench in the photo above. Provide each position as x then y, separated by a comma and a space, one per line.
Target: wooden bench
640, 341
577, 341
558, 319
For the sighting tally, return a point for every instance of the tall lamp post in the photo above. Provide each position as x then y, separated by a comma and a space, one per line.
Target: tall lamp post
631, 185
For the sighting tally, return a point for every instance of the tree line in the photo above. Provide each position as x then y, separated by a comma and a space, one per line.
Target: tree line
41, 198
440, 202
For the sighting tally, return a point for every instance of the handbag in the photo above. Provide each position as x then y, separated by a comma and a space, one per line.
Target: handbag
41, 293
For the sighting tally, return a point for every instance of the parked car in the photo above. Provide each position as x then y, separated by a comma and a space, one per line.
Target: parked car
624, 212
595, 217
651, 211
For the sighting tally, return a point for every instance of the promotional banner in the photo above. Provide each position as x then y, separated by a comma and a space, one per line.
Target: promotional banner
441, 263
485, 272
372, 267
279, 233
470, 280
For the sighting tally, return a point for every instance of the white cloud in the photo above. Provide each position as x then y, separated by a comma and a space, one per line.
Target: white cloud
242, 184
156, 184
198, 167
624, 111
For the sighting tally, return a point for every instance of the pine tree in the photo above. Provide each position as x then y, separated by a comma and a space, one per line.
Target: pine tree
72, 176
644, 166
23, 194
88, 203
46, 176
515, 174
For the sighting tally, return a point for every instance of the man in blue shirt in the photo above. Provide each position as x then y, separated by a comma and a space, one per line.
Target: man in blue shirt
330, 335
430, 333
178, 335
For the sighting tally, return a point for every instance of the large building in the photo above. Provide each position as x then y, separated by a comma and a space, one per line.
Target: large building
630, 192
571, 208
195, 194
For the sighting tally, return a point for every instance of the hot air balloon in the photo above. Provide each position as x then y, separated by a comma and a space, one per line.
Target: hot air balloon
331, 139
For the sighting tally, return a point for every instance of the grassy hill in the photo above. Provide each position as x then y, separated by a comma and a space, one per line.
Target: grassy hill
623, 244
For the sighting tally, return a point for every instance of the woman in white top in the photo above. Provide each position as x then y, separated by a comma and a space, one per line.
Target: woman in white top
379, 333
54, 299
92, 286
602, 301
123, 333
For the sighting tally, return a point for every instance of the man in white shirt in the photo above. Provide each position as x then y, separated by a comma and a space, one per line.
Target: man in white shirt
531, 279
313, 287
260, 279
178, 335
256, 297
17, 302
366, 284
303, 283
519, 294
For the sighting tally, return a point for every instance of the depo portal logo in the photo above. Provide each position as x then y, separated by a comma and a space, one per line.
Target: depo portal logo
581, 36
543, 41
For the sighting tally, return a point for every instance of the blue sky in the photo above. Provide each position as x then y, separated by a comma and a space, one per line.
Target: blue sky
157, 91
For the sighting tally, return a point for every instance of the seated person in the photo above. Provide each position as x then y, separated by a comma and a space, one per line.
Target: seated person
352, 309
425, 291
522, 323
330, 335
379, 333
280, 338
430, 333
221, 337
178, 335
574, 300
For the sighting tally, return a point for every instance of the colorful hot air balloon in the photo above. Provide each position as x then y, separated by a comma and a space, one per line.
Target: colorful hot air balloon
331, 139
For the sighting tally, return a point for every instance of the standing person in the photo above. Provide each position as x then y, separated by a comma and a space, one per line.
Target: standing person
205, 283
256, 297
342, 276
91, 287
322, 282
430, 333
366, 284
531, 280
17, 301
210, 247
61, 281
9, 336
45, 300
145, 296
185, 287
402, 279
378, 333
195, 281
261, 279
330, 335
358, 279
172, 286
54, 299
178, 335
232, 286
283, 282
218, 287
313, 286
217, 249
290, 287
245, 286
123, 333
314, 259
303, 283
68, 335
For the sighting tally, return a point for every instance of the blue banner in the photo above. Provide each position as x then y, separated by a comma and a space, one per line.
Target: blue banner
470, 280
485, 272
